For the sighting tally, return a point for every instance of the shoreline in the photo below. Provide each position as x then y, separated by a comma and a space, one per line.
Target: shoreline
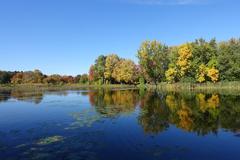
220, 86
47, 87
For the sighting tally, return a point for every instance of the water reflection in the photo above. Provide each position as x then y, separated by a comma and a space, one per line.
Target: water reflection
154, 114
199, 113
29, 96
34, 97
112, 103
193, 112
80, 126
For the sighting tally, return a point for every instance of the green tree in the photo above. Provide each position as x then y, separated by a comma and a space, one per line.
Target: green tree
171, 73
99, 68
153, 60
228, 60
84, 79
5, 77
204, 56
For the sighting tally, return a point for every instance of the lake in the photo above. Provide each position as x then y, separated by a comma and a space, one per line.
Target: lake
119, 125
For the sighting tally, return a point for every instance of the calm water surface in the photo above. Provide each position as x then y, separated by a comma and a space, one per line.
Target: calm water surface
119, 125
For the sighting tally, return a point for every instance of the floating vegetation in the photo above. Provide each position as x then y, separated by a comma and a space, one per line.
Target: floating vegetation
21, 146
50, 140
84, 118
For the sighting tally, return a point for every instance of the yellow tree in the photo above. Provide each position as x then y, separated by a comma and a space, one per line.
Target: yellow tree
110, 64
201, 73
171, 74
213, 73
184, 55
124, 71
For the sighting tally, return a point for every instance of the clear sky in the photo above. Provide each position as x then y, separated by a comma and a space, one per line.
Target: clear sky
65, 36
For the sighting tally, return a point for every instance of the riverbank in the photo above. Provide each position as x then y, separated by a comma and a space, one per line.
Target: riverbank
220, 86
198, 86
47, 87
224, 88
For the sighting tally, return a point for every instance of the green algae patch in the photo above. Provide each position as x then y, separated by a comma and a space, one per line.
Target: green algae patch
50, 140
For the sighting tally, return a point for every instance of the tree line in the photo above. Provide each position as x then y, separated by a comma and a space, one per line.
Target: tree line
197, 62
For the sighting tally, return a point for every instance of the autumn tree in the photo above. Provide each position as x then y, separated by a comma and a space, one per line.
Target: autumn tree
35, 76
53, 79
124, 71
92, 74
204, 57
152, 57
213, 73
67, 79
171, 74
184, 59
201, 73
111, 62
17, 78
5, 77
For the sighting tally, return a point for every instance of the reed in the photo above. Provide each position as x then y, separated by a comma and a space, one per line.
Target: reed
220, 86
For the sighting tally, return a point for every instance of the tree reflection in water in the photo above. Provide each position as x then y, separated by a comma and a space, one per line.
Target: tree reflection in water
193, 112
200, 113
154, 114
113, 103
34, 97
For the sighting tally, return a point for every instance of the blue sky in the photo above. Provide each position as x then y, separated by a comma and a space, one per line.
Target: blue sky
65, 36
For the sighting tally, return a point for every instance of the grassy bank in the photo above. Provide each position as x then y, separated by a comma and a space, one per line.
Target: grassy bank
46, 87
220, 87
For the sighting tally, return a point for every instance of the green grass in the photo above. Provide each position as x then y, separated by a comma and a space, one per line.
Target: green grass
218, 87
48, 87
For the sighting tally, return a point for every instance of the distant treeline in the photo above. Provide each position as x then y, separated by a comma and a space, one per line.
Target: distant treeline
197, 62
36, 76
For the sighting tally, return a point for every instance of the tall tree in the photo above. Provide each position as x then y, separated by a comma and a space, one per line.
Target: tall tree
184, 59
153, 59
124, 71
37, 76
204, 57
92, 76
100, 68
111, 62
228, 60
5, 77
